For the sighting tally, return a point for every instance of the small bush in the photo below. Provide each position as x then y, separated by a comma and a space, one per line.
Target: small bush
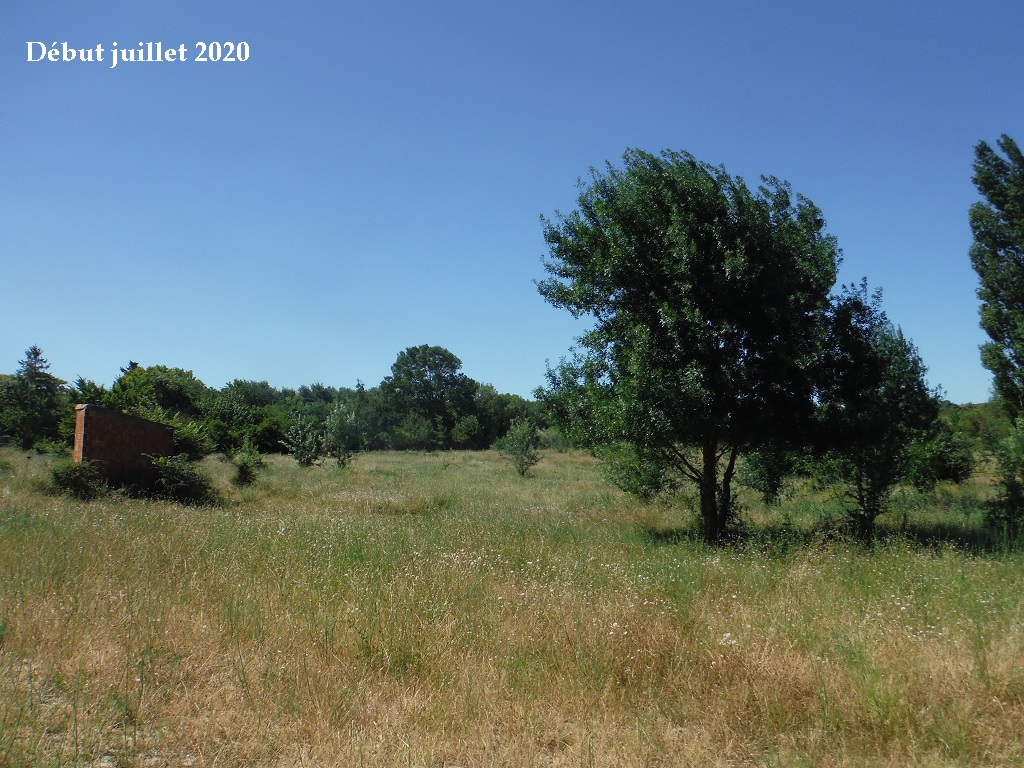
519, 445
341, 436
628, 470
944, 456
80, 480
175, 478
248, 462
304, 442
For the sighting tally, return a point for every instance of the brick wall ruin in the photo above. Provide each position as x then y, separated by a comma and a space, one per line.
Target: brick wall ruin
117, 443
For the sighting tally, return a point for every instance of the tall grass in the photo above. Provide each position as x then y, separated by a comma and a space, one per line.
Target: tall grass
438, 610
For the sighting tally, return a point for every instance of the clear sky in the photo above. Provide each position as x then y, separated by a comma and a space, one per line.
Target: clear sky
372, 177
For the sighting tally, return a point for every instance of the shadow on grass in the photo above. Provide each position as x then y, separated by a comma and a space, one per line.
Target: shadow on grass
782, 540
971, 537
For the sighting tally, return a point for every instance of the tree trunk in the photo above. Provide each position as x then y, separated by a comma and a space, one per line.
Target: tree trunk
864, 527
712, 526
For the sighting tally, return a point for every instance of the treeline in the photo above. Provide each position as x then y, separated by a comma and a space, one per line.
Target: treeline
427, 403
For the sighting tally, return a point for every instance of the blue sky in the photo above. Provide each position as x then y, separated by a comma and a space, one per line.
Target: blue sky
372, 177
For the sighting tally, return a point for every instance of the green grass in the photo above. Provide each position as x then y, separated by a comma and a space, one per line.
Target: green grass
438, 610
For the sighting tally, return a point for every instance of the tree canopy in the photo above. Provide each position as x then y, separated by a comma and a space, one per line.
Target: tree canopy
427, 385
709, 300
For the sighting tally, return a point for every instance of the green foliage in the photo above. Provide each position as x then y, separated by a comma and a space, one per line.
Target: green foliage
982, 425
165, 395
709, 300
33, 401
89, 392
241, 408
552, 439
228, 419
178, 479
465, 431
426, 382
139, 390
304, 441
80, 480
519, 445
873, 407
1005, 513
248, 462
415, 432
495, 413
765, 471
940, 456
425, 404
191, 437
997, 255
630, 469
341, 437
49, 447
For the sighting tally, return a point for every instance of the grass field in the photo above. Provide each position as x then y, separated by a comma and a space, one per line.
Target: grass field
437, 610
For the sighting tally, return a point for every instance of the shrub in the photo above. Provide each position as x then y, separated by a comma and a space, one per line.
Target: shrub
176, 478
304, 441
628, 468
465, 431
248, 461
80, 480
519, 445
341, 438
944, 456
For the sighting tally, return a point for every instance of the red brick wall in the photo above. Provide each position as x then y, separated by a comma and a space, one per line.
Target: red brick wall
118, 443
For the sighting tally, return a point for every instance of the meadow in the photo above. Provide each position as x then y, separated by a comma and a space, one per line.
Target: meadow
437, 610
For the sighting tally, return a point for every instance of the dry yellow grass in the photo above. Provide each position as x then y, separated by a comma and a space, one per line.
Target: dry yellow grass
437, 610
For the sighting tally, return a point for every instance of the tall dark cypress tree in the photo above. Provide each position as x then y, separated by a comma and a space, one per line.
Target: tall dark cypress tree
997, 255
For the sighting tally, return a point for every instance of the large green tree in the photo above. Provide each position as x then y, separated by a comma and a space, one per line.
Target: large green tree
709, 300
427, 388
997, 255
